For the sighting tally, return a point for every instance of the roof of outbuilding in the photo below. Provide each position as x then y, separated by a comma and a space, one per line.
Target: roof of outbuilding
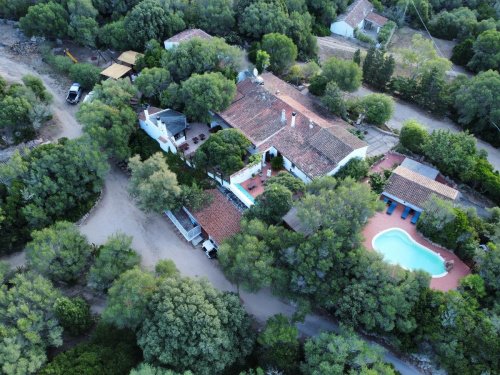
376, 19
356, 12
189, 34
415, 188
116, 71
129, 57
220, 219
315, 144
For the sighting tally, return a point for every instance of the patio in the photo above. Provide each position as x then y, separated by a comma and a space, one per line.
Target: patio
196, 134
255, 186
381, 221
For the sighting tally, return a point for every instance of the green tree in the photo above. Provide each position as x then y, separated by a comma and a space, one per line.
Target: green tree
413, 136
334, 354
215, 16
128, 297
83, 30
115, 92
179, 309
263, 60
292, 183
207, 92
109, 126
59, 252
476, 103
486, 50
152, 81
28, 321
463, 52
74, 315
458, 22
63, 181
166, 268
36, 85
356, 168
333, 99
262, 17
488, 264
346, 74
357, 58
271, 205
377, 108
300, 30
246, 259
147, 369
114, 257
194, 197
224, 150
45, 19
14, 113
279, 344
150, 20
152, 183
433, 92
87, 75
114, 35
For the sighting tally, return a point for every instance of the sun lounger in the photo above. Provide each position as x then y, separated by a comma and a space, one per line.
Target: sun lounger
405, 213
415, 218
386, 199
391, 208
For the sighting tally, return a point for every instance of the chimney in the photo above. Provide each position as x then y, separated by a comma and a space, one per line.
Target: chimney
294, 114
283, 116
146, 113
310, 124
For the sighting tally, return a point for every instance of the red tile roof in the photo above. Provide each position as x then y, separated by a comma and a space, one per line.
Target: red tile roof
220, 219
356, 12
376, 19
315, 144
186, 35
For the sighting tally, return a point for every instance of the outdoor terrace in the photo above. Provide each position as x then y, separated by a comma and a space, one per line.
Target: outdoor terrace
196, 134
255, 186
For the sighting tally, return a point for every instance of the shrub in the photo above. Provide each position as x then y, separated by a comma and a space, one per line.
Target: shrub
359, 35
73, 315
356, 168
378, 108
62, 64
378, 182
166, 268
385, 32
318, 85
413, 136
292, 183
277, 163
87, 75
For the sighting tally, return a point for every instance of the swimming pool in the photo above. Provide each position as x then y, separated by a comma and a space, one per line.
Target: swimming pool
246, 193
398, 247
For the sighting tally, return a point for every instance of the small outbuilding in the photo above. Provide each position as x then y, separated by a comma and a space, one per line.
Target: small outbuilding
184, 36
116, 71
358, 15
129, 58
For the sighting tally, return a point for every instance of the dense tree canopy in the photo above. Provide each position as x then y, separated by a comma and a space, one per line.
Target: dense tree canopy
214, 16
263, 17
184, 309
282, 51
333, 99
152, 183
413, 136
346, 74
271, 205
486, 52
377, 108
45, 19
59, 252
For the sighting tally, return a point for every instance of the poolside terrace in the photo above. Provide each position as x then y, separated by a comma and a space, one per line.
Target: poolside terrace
255, 186
381, 221
196, 134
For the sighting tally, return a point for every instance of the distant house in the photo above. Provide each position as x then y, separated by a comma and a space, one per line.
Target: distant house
166, 126
412, 189
359, 15
184, 36
216, 222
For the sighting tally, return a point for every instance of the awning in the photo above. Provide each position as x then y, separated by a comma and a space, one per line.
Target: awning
116, 71
129, 57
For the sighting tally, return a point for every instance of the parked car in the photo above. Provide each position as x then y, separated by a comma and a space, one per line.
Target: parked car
210, 249
74, 93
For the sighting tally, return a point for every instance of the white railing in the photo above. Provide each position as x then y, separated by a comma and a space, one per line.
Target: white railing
188, 235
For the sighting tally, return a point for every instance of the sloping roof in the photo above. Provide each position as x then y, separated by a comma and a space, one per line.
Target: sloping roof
292, 220
376, 19
420, 168
189, 34
257, 112
174, 121
356, 12
220, 219
129, 57
116, 71
415, 188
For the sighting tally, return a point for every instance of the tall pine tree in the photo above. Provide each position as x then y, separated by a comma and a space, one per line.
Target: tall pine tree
357, 57
368, 67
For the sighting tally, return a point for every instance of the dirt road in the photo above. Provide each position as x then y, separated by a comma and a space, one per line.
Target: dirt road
13, 69
404, 111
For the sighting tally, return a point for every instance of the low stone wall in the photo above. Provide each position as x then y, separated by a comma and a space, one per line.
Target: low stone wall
84, 218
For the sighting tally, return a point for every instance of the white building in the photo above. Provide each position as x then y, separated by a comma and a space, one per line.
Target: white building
184, 36
166, 126
359, 15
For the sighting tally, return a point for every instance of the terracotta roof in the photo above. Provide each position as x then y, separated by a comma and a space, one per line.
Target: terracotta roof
416, 189
151, 111
129, 57
356, 12
116, 71
376, 19
258, 114
220, 219
189, 34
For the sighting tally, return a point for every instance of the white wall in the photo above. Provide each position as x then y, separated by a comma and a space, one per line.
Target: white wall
170, 45
155, 133
342, 28
245, 173
296, 171
358, 153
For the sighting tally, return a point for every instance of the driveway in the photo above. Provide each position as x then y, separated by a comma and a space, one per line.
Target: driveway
404, 111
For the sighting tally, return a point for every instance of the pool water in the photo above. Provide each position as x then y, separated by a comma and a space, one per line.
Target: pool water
398, 247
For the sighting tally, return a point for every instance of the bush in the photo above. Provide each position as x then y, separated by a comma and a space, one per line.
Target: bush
166, 268
277, 163
463, 52
318, 85
385, 32
378, 108
356, 168
73, 315
413, 136
62, 64
359, 35
87, 75
292, 183
378, 182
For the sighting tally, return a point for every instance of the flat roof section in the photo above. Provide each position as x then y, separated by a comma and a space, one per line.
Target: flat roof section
116, 71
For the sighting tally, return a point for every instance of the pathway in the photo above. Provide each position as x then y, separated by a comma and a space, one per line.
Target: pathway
404, 111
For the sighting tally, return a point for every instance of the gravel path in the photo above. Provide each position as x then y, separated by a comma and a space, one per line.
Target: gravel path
405, 111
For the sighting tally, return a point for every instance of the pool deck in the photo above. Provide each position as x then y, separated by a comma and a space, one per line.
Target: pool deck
381, 221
